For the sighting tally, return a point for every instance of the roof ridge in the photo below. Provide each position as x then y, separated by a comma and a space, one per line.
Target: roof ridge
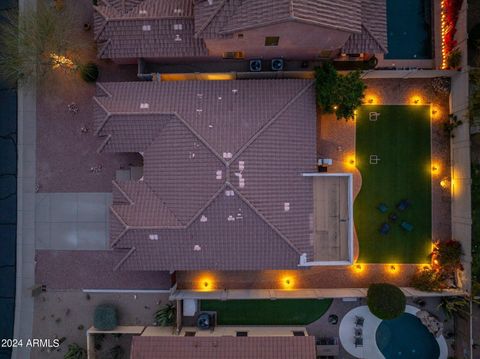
164, 204
200, 137
275, 229
119, 264
208, 203
271, 121
374, 38
122, 191
209, 20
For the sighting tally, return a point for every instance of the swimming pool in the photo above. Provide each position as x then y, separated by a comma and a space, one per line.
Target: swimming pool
409, 28
407, 338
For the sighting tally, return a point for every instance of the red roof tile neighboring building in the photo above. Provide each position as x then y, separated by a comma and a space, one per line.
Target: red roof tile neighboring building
223, 347
146, 28
130, 29
223, 162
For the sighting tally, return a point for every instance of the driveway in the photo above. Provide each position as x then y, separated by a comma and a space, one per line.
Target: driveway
72, 221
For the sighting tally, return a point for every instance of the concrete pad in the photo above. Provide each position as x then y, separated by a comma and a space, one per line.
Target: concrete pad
63, 207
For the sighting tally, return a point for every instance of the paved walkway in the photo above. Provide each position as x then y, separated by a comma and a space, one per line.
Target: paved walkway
72, 220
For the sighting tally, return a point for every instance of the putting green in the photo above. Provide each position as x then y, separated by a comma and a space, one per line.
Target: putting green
401, 140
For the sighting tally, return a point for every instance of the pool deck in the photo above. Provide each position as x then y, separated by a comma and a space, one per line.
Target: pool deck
370, 349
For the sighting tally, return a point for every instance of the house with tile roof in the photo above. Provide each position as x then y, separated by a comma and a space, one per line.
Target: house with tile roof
229, 177
127, 30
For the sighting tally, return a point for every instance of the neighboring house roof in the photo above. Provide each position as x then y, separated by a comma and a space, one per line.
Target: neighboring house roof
219, 18
373, 37
222, 159
175, 347
146, 28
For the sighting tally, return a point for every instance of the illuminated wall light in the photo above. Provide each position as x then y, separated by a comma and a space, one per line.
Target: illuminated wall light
435, 169
205, 284
393, 268
287, 282
416, 100
358, 268
335, 107
445, 183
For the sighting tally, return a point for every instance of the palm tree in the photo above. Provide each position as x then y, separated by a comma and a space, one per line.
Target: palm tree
166, 315
75, 352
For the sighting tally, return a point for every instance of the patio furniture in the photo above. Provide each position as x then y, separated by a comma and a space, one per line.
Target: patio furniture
408, 227
382, 207
359, 321
358, 332
384, 229
392, 217
373, 116
358, 342
403, 205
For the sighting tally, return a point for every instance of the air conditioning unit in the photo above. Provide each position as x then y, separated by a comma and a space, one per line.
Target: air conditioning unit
277, 64
256, 65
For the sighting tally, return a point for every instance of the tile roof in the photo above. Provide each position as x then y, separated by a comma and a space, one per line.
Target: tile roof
373, 37
224, 17
218, 178
176, 347
146, 28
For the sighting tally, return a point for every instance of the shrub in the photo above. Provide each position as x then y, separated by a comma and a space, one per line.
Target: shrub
105, 317
166, 315
385, 301
75, 352
339, 94
448, 254
427, 280
454, 59
89, 72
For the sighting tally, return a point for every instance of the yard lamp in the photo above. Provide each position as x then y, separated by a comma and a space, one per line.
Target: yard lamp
445, 183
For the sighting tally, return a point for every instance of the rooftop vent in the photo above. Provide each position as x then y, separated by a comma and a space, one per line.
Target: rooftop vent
177, 27
241, 165
219, 175
177, 11
197, 248
153, 237
241, 182
177, 37
286, 206
142, 12
227, 155
144, 105
210, 125
235, 91
146, 27
229, 193
231, 218
219, 98
203, 219
210, 2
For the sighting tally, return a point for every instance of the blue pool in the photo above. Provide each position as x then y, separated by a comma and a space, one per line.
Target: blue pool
407, 338
8, 203
409, 28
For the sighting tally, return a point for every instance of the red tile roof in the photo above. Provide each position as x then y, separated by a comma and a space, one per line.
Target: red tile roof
146, 28
223, 347
221, 159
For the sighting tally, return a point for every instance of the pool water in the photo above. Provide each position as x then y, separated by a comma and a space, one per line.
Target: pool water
407, 338
409, 29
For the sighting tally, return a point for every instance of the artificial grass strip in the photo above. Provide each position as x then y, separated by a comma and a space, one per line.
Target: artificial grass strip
401, 139
267, 312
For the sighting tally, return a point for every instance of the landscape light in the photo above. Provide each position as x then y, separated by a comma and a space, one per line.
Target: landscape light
287, 282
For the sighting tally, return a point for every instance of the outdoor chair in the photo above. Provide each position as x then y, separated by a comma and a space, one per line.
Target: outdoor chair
358, 332
359, 321
382, 207
384, 229
358, 342
403, 205
392, 217
373, 159
406, 226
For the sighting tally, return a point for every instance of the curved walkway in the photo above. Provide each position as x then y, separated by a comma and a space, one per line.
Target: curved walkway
370, 349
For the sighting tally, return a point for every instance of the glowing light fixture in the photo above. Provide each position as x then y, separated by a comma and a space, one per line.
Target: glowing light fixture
287, 282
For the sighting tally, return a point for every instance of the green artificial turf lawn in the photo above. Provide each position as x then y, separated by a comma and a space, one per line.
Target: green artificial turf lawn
267, 312
401, 139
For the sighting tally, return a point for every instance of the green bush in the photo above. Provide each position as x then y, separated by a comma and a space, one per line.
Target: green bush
427, 280
166, 315
75, 352
339, 94
89, 72
385, 301
449, 254
105, 317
